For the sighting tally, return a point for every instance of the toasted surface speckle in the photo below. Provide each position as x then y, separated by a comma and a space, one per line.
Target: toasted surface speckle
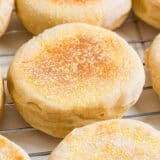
10, 151
111, 140
74, 68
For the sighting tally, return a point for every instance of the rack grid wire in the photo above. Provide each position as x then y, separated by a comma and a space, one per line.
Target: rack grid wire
39, 145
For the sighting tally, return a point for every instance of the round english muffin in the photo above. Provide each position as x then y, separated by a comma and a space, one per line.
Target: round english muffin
6, 8
11, 151
1, 94
148, 11
110, 140
152, 61
42, 14
72, 75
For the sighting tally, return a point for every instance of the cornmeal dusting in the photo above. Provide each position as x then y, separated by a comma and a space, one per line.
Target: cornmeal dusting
8, 151
110, 141
77, 64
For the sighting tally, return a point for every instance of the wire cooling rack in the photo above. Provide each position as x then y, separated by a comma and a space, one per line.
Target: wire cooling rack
39, 145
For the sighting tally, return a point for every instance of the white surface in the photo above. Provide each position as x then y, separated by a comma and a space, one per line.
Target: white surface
38, 144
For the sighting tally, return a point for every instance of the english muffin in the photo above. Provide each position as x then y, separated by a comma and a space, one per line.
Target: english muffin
42, 14
1, 94
6, 8
11, 151
152, 61
110, 140
148, 11
73, 75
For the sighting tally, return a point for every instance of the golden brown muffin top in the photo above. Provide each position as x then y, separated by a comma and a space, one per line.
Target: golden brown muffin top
10, 151
76, 61
111, 140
